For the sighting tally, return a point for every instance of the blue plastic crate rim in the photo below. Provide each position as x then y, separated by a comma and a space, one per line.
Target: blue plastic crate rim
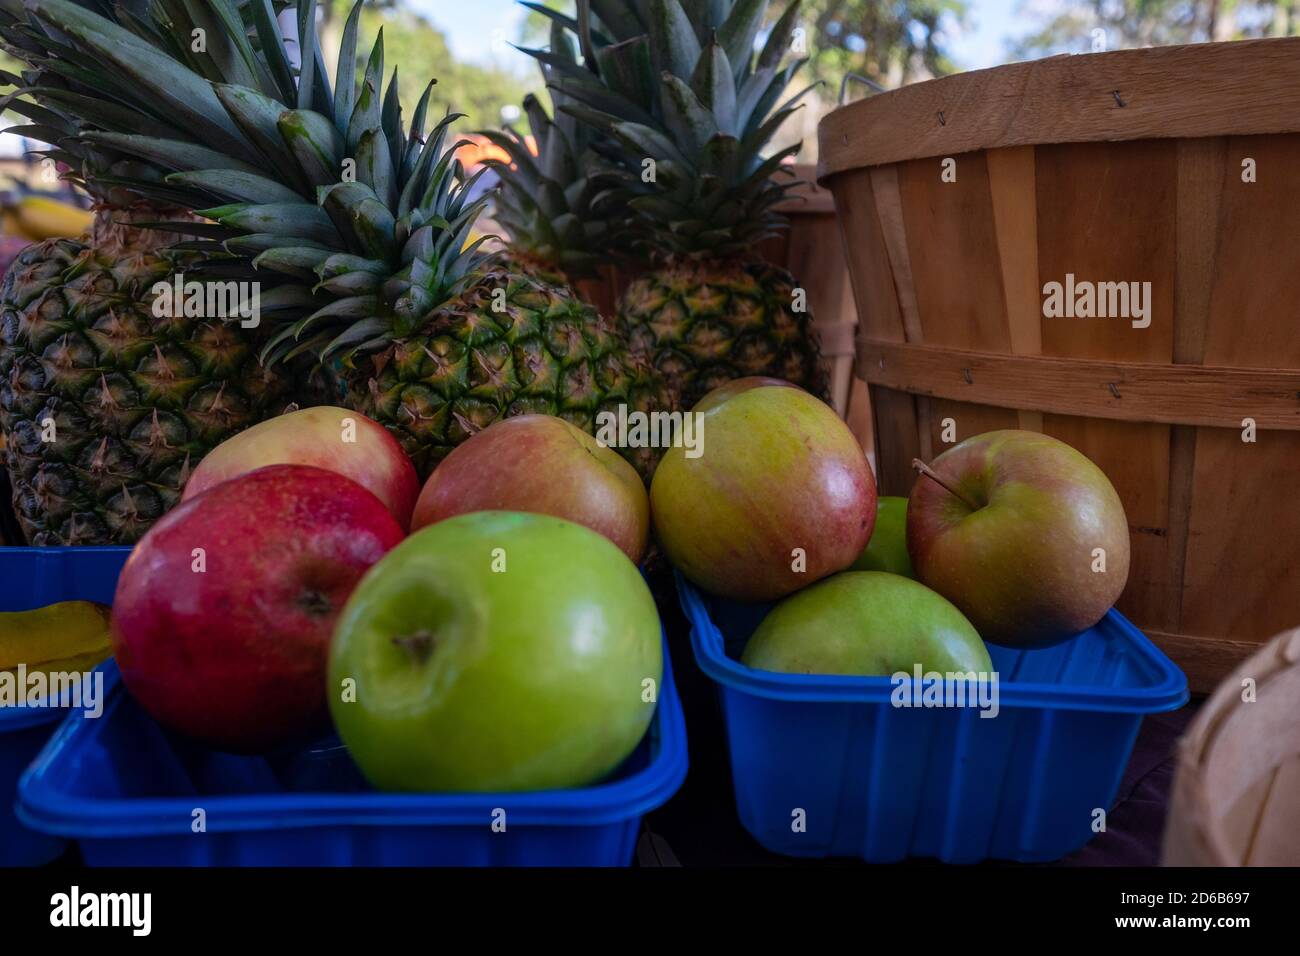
1167, 690
44, 803
35, 577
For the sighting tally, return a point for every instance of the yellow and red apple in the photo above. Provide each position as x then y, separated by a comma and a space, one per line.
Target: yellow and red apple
336, 439
543, 465
1023, 533
780, 494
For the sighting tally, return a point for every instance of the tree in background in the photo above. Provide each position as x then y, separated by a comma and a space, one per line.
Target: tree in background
891, 42
1067, 26
420, 50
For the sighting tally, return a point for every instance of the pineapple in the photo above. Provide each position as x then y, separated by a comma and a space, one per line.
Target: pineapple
687, 91
549, 196
550, 201
105, 407
361, 225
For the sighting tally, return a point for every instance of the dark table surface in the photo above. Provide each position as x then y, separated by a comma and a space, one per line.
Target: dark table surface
699, 826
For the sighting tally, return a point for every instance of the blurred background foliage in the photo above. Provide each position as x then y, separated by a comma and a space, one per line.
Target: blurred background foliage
421, 52
1056, 26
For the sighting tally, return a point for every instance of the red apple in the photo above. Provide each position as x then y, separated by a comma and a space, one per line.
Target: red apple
779, 496
336, 439
544, 465
224, 610
1023, 533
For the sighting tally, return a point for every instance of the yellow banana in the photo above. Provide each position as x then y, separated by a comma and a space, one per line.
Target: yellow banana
10, 225
70, 635
43, 218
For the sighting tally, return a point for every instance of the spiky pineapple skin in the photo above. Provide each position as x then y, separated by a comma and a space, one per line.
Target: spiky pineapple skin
513, 343
698, 323
132, 401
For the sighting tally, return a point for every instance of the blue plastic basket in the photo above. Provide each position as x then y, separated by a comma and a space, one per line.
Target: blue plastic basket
32, 578
129, 793
825, 766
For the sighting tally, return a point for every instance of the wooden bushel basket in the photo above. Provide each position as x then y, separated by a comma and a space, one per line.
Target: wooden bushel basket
1236, 796
1177, 166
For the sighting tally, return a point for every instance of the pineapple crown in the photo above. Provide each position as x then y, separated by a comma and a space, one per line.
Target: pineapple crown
679, 82
550, 195
66, 106
364, 224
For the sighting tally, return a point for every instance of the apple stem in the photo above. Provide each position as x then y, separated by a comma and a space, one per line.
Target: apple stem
930, 473
418, 645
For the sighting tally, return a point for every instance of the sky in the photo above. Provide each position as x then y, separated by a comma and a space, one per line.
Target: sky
983, 43
475, 29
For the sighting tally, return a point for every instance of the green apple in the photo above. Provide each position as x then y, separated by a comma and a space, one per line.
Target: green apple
887, 549
496, 651
866, 623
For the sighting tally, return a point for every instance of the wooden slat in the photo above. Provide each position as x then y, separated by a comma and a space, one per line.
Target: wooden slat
1015, 220
893, 414
863, 243
1253, 305
898, 440
952, 255
1182, 471
815, 258
1243, 567
1203, 659
889, 210
858, 417
1143, 391
926, 427
969, 420
1204, 89
1201, 171
1202, 166
952, 252
1242, 571
603, 290
1106, 212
